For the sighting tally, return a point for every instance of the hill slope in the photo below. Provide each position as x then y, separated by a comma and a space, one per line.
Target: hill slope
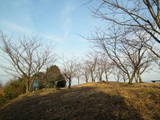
92, 101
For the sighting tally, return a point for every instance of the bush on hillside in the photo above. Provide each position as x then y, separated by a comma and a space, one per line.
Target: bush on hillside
14, 88
55, 77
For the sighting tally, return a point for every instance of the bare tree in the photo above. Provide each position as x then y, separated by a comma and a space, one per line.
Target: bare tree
85, 71
106, 65
79, 72
116, 72
100, 69
113, 50
26, 57
91, 65
143, 15
128, 54
138, 54
103, 67
69, 70
132, 14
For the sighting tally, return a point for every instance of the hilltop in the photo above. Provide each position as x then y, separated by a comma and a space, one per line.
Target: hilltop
91, 101
1, 92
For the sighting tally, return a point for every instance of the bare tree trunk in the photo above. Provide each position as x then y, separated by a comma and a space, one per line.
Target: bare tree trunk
106, 77
27, 83
139, 77
78, 80
27, 86
124, 79
100, 78
69, 82
86, 78
130, 79
136, 77
92, 77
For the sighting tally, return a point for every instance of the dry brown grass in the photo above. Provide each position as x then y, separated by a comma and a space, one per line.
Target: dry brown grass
94, 101
1, 92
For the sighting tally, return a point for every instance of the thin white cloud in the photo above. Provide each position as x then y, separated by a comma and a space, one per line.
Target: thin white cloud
11, 27
51, 37
66, 17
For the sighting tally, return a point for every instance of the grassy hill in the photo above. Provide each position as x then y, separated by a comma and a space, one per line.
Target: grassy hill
92, 101
1, 92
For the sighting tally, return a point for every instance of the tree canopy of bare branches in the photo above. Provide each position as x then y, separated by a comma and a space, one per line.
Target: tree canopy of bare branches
69, 70
142, 15
91, 64
128, 53
26, 57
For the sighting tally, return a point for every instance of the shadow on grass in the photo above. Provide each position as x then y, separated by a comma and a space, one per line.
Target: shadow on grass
85, 103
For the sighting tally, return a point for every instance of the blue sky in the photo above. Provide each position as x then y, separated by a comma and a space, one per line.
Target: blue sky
58, 23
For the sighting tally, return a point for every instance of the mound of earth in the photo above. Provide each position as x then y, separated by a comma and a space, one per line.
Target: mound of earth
92, 101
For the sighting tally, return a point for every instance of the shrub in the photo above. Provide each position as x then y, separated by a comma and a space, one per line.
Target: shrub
53, 73
14, 88
54, 77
